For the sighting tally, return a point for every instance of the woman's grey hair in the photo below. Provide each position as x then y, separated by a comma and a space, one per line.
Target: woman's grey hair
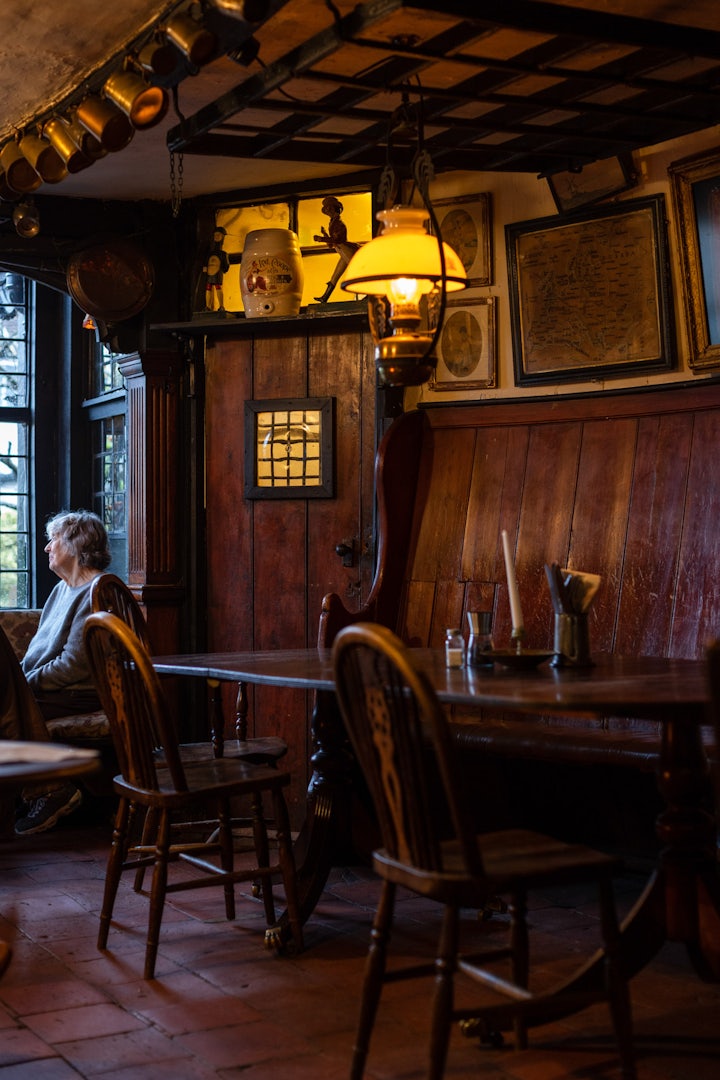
84, 535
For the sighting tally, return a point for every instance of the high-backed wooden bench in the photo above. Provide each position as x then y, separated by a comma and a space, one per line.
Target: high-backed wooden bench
623, 484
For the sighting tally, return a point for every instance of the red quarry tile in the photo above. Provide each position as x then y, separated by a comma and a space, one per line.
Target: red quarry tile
19, 1044
93, 1057
192, 1015
84, 1022
25, 1000
54, 1068
244, 1043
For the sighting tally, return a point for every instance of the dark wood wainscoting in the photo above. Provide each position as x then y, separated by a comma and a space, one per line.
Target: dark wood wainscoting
271, 561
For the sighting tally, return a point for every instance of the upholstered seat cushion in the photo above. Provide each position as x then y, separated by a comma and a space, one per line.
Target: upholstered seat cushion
84, 726
20, 625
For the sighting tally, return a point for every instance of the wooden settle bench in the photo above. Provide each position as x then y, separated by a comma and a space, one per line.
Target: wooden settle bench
621, 484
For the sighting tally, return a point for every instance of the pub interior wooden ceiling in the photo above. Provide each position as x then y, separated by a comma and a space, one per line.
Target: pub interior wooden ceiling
307, 89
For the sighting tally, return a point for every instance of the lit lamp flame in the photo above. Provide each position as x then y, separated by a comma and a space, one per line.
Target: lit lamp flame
396, 270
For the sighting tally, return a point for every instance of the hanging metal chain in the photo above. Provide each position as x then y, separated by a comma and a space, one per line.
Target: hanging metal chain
176, 184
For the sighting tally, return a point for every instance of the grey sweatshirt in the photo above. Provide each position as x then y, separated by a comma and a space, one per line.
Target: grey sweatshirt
55, 658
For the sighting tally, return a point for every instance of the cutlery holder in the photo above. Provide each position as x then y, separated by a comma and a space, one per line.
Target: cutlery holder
571, 644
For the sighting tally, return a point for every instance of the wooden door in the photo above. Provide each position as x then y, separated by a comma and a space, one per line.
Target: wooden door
271, 561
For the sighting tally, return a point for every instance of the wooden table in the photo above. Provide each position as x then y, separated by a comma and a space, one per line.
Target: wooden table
25, 763
682, 899
28, 763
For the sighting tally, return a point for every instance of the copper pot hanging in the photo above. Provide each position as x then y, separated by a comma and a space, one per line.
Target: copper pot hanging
59, 133
144, 104
106, 122
19, 173
111, 281
44, 158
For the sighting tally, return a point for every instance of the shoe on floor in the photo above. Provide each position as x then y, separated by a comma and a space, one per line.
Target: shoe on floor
47, 810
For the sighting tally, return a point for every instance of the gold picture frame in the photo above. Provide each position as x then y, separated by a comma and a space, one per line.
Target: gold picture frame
590, 294
465, 223
695, 184
466, 347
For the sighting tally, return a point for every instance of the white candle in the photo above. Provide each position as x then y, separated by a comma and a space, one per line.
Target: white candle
515, 609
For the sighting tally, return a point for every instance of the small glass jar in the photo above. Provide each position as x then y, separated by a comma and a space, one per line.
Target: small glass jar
480, 642
454, 648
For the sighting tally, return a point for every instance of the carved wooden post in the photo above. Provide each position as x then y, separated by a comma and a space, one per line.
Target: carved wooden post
155, 456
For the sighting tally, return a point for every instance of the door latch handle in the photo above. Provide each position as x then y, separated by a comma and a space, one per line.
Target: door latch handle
346, 550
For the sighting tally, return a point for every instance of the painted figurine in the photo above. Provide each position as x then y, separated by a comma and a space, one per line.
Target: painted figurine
218, 264
335, 236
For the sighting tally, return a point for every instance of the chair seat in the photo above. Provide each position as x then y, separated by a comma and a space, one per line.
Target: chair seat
510, 857
218, 777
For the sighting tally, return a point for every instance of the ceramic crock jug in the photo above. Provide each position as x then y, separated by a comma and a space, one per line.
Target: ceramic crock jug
271, 273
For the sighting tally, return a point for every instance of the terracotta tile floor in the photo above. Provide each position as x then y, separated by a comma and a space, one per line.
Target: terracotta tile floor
223, 1006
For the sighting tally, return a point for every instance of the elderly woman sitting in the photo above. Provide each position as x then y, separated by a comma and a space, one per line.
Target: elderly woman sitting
55, 665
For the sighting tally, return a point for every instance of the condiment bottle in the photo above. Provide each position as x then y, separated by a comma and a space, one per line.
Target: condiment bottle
454, 648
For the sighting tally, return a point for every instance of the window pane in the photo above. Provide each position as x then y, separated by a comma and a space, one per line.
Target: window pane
104, 371
14, 515
109, 485
13, 341
320, 261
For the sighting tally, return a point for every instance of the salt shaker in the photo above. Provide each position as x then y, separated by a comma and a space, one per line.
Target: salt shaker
480, 642
454, 648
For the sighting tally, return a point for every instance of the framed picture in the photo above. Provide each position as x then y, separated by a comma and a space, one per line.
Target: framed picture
696, 195
590, 295
465, 224
466, 346
596, 181
289, 448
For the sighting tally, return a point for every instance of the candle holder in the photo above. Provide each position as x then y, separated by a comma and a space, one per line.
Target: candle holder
517, 636
520, 660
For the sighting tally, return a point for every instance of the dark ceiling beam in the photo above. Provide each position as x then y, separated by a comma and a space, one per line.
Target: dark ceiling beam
477, 156
543, 103
661, 110
294, 63
597, 78
581, 22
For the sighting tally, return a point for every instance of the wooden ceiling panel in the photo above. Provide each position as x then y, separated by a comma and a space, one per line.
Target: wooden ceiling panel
520, 85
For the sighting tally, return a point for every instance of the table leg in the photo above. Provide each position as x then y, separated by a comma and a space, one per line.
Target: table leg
688, 860
5, 954
217, 720
325, 833
681, 901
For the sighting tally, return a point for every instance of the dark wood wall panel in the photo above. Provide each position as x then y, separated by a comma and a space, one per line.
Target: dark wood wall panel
660, 480
623, 485
600, 512
228, 383
271, 561
697, 606
543, 528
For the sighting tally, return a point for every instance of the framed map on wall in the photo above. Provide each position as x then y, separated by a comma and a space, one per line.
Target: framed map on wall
590, 294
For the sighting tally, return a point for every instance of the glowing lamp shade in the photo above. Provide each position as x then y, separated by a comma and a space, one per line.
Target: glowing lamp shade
395, 271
